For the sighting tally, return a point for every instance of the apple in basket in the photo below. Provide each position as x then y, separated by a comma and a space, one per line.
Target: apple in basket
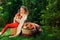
27, 29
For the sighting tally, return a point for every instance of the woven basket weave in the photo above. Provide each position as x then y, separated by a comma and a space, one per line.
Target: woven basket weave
26, 32
13, 31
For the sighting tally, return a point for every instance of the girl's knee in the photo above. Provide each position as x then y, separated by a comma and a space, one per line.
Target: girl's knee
7, 25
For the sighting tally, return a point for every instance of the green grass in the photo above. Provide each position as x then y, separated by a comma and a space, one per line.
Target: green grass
5, 36
43, 36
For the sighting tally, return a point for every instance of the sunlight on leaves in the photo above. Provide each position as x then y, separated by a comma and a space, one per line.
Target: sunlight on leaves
1, 7
9, 3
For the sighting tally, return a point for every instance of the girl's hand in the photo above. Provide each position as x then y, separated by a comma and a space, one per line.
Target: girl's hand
19, 17
18, 20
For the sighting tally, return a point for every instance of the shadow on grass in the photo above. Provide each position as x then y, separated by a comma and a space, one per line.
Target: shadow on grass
4, 36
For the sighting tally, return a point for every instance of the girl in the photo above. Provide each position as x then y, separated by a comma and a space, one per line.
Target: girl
20, 16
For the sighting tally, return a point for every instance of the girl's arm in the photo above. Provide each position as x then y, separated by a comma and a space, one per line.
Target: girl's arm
18, 20
14, 20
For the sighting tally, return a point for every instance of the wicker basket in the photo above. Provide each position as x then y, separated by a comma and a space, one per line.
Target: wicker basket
13, 31
26, 32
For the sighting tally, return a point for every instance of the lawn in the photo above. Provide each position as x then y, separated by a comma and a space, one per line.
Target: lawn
43, 36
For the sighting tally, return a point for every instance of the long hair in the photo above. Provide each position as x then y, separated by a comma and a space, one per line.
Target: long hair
25, 8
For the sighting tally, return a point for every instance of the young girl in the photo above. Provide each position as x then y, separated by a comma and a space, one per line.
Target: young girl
21, 15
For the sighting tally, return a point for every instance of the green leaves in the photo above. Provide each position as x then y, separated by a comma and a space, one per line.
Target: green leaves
1, 7
9, 3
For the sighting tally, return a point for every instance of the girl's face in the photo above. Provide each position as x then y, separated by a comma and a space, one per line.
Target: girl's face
22, 11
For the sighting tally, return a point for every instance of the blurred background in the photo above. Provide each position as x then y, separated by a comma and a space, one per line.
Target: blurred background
46, 13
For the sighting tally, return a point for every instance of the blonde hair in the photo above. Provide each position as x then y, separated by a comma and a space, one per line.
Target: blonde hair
25, 8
